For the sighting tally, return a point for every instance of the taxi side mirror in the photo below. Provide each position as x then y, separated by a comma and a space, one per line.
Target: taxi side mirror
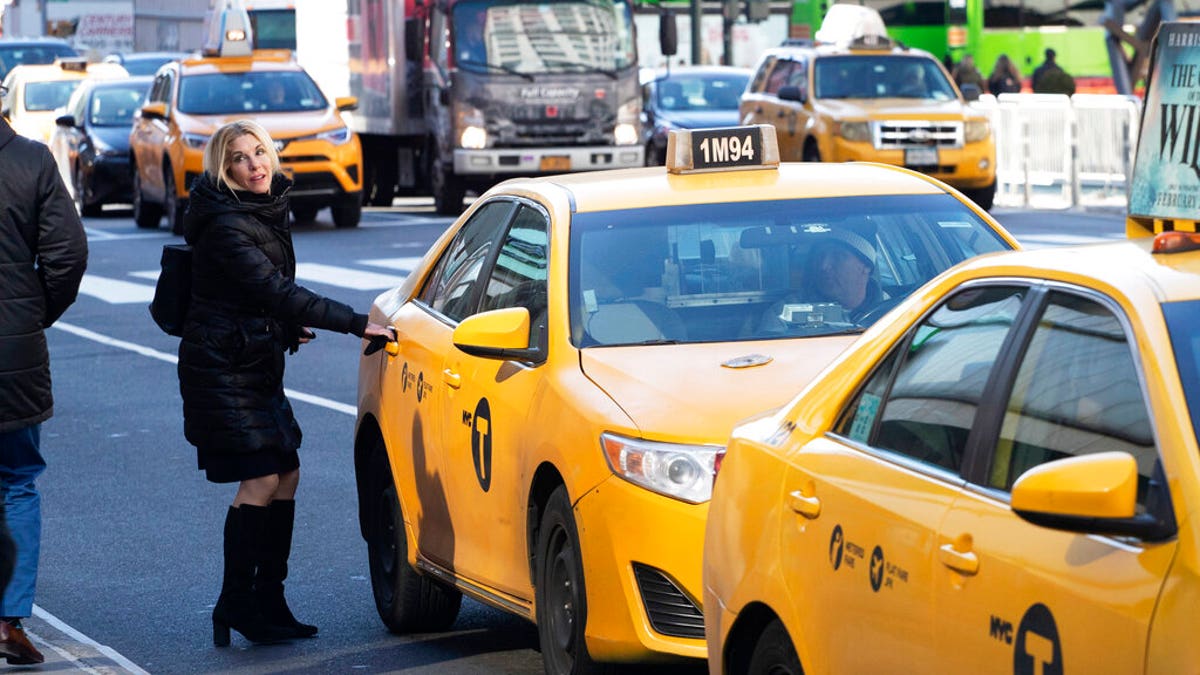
1091, 494
499, 334
65, 120
791, 92
344, 103
154, 111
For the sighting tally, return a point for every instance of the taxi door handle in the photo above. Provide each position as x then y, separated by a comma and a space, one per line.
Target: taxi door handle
451, 378
805, 505
961, 561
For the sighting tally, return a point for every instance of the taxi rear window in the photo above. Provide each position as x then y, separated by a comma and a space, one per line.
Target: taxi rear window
268, 91
760, 270
1183, 323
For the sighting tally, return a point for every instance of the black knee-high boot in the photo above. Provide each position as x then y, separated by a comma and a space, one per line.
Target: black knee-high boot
273, 569
238, 608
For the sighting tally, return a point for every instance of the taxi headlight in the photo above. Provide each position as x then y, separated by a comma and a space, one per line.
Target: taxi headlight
683, 472
195, 141
858, 132
976, 130
628, 118
338, 136
471, 126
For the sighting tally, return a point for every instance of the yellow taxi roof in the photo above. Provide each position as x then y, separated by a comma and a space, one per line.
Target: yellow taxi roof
262, 59
51, 72
1128, 266
637, 188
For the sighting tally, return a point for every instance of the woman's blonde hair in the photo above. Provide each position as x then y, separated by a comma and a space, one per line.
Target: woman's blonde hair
216, 155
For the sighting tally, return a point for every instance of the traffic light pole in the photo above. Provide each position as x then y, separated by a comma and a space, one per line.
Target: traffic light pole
695, 32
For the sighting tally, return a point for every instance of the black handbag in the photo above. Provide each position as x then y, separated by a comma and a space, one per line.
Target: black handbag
173, 292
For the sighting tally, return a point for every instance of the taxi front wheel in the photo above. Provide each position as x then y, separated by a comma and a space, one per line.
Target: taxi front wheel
560, 594
774, 654
407, 601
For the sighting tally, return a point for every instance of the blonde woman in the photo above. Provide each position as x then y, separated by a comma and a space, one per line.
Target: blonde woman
246, 313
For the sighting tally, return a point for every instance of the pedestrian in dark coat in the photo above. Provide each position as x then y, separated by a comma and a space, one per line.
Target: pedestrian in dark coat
1005, 78
246, 312
43, 254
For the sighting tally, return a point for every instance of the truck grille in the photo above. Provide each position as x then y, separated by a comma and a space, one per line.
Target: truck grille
897, 134
670, 611
555, 132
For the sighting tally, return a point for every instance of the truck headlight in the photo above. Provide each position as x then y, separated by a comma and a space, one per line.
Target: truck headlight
629, 116
195, 141
858, 132
683, 472
976, 130
472, 128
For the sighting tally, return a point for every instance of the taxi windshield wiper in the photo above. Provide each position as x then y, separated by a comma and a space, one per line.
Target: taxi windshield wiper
496, 66
655, 341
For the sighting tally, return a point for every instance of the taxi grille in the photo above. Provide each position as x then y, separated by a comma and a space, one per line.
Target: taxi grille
670, 611
897, 134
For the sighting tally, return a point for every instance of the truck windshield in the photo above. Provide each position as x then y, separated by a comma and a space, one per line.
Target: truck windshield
265, 91
881, 76
532, 37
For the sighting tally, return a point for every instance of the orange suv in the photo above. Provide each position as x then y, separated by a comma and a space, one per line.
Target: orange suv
191, 98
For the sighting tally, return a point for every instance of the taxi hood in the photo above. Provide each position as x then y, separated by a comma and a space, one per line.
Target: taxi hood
892, 108
685, 393
281, 125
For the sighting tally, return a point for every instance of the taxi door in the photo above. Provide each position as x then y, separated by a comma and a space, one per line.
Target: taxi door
491, 419
149, 138
416, 396
1015, 597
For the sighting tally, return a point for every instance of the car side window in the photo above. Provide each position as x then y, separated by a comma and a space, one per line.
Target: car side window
922, 400
1076, 392
522, 268
760, 78
452, 286
780, 76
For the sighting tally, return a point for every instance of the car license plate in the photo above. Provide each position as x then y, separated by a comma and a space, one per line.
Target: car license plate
925, 155
556, 163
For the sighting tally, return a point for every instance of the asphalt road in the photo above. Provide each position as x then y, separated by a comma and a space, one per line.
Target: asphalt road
131, 554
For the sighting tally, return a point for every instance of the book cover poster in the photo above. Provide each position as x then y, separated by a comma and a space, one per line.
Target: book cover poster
1166, 178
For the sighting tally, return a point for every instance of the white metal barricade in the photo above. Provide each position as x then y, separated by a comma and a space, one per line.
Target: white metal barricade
1107, 129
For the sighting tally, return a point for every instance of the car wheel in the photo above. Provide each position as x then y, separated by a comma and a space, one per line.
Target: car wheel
304, 212
172, 204
811, 152
347, 211
384, 186
985, 197
560, 594
146, 214
406, 601
774, 653
81, 205
448, 190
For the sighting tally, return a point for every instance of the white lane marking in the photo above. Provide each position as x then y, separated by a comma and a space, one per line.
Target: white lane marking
405, 264
152, 275
345, 278
80, 637
115, 291
321, 401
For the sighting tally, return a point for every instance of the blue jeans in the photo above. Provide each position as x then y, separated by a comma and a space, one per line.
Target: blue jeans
20, 464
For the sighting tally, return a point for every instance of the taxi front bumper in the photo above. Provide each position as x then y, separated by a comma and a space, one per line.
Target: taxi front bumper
971, 166
527, 161
642, 565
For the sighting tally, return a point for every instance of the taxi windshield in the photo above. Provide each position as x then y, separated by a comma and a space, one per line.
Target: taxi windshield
41, 96
266, 91
761, 270
882, 76
1183, 323
538, 37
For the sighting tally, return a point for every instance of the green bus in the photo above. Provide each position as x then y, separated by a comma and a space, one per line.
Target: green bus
1022, 29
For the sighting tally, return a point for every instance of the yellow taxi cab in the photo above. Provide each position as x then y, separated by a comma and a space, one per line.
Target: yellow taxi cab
192, 97
572, 355
36, 92
854, 95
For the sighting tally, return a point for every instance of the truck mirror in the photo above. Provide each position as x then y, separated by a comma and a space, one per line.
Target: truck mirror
668, 33
414, 40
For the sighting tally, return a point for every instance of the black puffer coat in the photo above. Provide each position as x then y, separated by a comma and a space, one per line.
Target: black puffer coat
246, 312
43, 253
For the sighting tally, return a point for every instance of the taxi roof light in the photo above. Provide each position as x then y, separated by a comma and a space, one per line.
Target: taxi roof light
853, 26
228, 30
722, 149
75, 64
1175, 242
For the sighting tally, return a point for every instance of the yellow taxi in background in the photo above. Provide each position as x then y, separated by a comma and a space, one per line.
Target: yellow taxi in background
575, 350
192, 97
35, 92
1000, 477
854, 95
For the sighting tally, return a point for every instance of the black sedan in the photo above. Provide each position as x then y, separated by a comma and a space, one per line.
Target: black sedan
688, 97
91, 141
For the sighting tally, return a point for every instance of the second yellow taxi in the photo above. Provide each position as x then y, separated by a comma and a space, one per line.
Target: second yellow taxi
36, 92
573, 353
